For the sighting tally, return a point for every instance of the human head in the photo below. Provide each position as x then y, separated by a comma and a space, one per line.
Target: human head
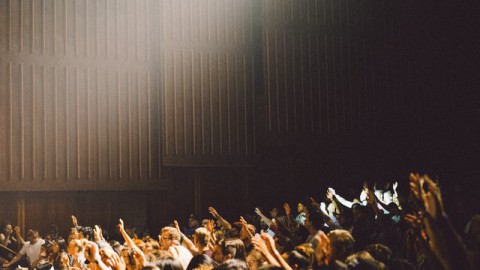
380, 252
59, 245
363, 260
7, 228
33, 236
169, 263
255, 259
229, 249
341, 245
193, 221
75, 246
199, 261
233, 264
169, 237
201, 237
300, 207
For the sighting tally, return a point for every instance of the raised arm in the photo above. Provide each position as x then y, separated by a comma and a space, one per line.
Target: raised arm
263, 217
340, 199
444, 241
186, 241
19, 235
222, 221
126, 237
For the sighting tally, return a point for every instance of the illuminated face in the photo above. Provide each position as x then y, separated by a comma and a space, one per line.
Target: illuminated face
165, 241
300, 207
8, 229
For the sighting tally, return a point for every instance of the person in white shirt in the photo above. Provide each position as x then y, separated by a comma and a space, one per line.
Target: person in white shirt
31, 249
170, 242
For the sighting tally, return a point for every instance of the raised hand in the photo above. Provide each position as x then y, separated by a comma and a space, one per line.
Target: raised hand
74, 221
211, 226
213, 212
331, 190
269, 241
16, 229
243, 221
98, 234
395, 185
432, 199
413, 220
121, 226
175, 222
260, 245
287, 208
91, 251
118, 263
258, 212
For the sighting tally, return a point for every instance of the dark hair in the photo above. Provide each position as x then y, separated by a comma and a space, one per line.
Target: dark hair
87, 232
234, 247
62, 244
234, 264
380, 252
199, 260
299, 259
116, 246
5, 223
33, 233
169, 263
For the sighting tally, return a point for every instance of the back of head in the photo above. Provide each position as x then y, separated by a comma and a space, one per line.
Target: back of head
235, 247
364, 261
341, 244
202, 236
380, 252
233, 264
200, 260
33, 234
169, 263
305, 251
298, 260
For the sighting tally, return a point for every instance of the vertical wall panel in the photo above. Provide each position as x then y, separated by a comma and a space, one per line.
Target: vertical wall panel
207, 71
328, 65
77, 94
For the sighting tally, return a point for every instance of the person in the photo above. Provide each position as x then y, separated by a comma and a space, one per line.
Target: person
31, 249
255, 259
302, 216
193, 225
201, 239
76, 251
229, 249
170, 242
9, 242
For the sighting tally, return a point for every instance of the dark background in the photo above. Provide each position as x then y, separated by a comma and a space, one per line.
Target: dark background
163, 108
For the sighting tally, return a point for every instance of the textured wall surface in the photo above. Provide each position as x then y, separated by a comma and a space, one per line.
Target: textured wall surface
79, 99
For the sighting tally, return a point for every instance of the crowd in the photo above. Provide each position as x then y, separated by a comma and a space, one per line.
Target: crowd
381, 229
